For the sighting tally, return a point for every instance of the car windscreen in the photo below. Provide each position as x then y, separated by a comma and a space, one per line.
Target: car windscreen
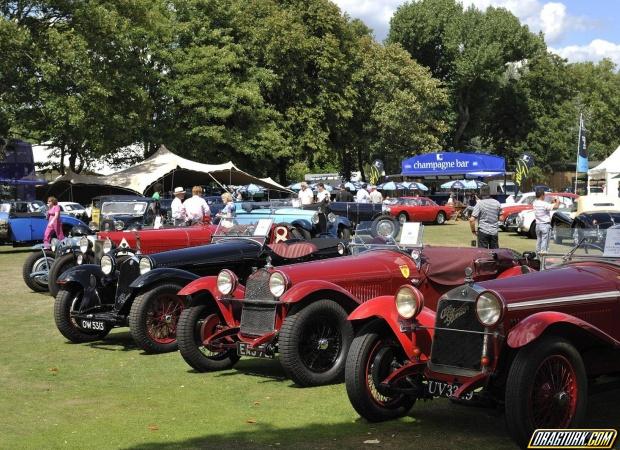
366, 238
124, 208
256, 229
585, 243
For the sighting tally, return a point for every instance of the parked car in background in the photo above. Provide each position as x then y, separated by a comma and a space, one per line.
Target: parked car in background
508, 214
300, 311
122, 212
141, 290
532, 345
526, 221
590, 212
419, 209
73, 209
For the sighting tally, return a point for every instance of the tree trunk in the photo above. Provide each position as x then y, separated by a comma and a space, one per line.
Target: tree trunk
282, 165
463, 119
61, 169
360, 163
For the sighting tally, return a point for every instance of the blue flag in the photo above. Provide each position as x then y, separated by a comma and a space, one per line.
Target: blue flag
582, 150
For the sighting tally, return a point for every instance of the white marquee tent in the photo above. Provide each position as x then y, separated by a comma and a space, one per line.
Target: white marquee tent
608, 172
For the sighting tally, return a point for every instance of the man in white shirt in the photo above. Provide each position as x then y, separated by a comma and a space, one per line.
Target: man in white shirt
375, 195
542, 213
176, 207
362, 195
322, 195
306, 196
196, 208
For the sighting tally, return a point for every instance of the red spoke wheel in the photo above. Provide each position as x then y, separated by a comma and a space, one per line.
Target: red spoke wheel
547, 388
154, 316
197, 324
373, 355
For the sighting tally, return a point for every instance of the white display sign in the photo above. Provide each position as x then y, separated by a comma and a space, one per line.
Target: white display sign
410, 233
612, 243
263, 227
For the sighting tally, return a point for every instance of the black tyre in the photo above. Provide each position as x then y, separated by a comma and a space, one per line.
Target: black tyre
67, 303
60, 266
154, 316
37, 261
374, 353
403, 217
548, 388
532, 231
385, 226
196, 324
441, 218
344, 233
314, 341
557, 237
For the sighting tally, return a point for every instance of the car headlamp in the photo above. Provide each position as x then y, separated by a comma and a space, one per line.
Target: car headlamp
315, 218
119, 225
409, 302
54, 245
331, 217
488, 308
145, 265
226, 282
415, 254
92, 226
341, 248
107, 264
107, 246
84, 244
79, 259
277, 284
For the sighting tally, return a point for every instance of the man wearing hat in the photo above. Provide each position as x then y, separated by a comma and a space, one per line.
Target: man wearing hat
176, 208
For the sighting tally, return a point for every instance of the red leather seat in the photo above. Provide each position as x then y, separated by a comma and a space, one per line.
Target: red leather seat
293, 250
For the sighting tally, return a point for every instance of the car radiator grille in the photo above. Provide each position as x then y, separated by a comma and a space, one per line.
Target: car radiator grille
98, 250
128, 273
452, 346
258, 319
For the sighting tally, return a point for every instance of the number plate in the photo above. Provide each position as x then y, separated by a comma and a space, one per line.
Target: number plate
95, 325
244, 349
441, 389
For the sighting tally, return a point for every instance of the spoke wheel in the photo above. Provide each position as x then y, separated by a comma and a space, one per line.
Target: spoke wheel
374, 354
547, 389
37, 262
196, 325
385, 226
153, 318
314, 341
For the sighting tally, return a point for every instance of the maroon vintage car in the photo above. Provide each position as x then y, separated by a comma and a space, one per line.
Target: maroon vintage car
300, 310
533, 343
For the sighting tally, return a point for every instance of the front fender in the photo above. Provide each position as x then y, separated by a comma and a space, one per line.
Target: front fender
302, 223
305, 288
384, 309
86, 275
209, 284
534, 326
163, 274
344, 222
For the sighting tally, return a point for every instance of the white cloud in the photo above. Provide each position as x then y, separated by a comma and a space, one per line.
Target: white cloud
595, 51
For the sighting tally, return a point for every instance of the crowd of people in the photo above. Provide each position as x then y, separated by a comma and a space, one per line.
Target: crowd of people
367, 193
195, 209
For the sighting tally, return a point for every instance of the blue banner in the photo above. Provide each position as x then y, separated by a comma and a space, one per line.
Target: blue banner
446, 163
582, 150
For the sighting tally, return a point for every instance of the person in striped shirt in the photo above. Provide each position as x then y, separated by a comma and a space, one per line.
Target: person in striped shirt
486, 213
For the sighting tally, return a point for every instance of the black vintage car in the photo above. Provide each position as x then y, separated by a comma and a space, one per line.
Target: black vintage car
122, 212
591, 214
141, 291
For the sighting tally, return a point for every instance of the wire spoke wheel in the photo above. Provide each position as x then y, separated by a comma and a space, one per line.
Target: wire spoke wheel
320, 343
162, 318
553, 398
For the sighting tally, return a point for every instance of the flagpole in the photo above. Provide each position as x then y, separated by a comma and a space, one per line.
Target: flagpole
577, 161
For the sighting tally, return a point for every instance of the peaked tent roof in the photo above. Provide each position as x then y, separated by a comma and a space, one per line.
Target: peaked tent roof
165, 165
610, 165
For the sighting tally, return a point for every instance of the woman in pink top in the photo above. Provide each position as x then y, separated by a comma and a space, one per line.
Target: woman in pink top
53, 225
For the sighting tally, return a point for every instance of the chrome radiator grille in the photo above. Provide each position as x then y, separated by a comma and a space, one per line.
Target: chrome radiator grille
451, 345
257, 286
257, 320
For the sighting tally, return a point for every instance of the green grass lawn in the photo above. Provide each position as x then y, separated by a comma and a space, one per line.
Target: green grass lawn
109, 394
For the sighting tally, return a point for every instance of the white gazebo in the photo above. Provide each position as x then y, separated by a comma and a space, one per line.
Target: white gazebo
607, 172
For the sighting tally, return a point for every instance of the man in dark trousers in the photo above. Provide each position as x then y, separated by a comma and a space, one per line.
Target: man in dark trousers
342, 195
486, 213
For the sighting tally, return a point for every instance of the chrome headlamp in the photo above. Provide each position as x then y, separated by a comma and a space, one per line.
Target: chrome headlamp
107, 246
409, 302
119, 225
226, 282
488, 308
277, 284
315, 218
341, 248
92, 226
331, 217
84, 244
107, 264
79, 259
54, 245
145, 265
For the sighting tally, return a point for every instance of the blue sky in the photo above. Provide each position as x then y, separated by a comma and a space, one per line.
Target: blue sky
577, 30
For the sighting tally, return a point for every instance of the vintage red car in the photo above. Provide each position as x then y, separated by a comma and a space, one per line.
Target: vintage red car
533, 344
566, 200
420, 209
300, 310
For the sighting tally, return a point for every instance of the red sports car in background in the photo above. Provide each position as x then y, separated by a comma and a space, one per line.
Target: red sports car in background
420, 209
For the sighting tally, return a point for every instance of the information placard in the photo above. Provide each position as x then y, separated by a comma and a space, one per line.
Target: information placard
411, 233
612, 243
